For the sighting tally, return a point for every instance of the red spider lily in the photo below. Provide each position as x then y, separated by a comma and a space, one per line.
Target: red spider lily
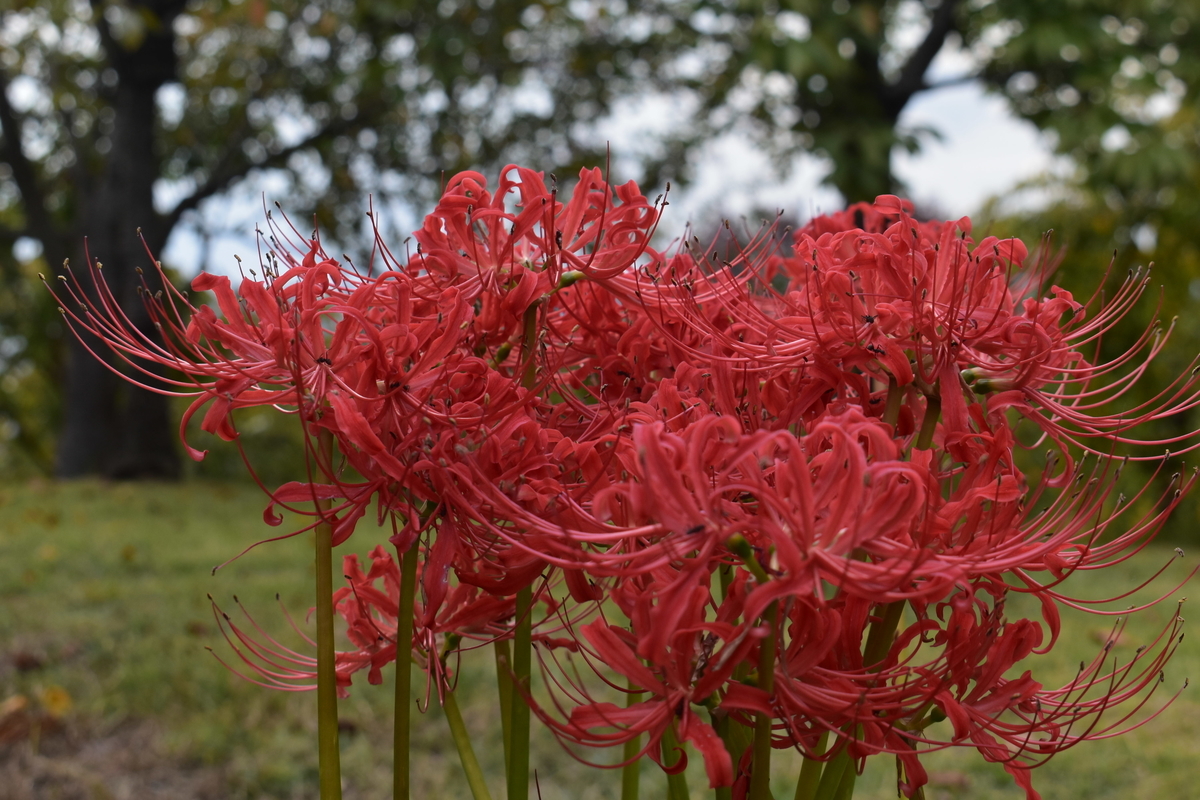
388, 363
799, 478
864, 505
676, 653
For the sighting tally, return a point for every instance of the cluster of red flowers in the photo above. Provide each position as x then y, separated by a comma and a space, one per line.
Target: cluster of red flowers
746, 483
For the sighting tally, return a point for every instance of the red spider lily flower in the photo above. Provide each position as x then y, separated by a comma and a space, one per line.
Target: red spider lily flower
814, 456
472, 234
678, 656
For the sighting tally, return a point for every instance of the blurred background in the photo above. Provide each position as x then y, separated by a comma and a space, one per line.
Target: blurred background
189, 119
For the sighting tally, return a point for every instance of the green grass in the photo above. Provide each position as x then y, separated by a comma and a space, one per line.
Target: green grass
107, 583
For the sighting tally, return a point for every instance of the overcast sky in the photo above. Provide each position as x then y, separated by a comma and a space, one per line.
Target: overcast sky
984, 152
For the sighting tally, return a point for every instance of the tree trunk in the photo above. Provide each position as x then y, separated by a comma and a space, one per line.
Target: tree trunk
111, 427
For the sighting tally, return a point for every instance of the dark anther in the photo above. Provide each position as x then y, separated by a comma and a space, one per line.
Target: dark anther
324, 360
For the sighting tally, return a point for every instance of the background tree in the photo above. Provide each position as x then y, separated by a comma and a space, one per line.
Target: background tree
120, 114
810, 76
125, 114
834, 77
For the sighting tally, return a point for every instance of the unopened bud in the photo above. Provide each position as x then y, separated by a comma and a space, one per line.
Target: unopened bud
570, 278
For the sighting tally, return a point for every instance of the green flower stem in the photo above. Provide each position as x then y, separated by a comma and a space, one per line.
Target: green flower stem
504, 685
632, 771
760, 776
725, 579
737, 737
810, 772
835, 771
466, 753
846, 787
883, 631
328, 755
738, 545
404, 634
895, 396
731, 733
933, 410
677, 788
529, 346
518, 765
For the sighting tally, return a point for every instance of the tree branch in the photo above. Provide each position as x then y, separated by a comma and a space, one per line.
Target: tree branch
40, 225
236, 166
951, 82
912, 75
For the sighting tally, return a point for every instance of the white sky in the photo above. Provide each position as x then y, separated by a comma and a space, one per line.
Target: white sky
985, 151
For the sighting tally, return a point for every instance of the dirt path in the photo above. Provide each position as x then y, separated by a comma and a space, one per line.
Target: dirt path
125, 762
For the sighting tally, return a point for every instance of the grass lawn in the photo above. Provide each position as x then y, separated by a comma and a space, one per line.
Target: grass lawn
104, 622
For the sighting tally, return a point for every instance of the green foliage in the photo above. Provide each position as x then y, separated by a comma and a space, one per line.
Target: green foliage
30, 361
1114, 82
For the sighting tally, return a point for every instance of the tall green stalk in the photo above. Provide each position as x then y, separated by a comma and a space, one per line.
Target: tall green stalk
328, 755
760, 777
517, 761
846, 787
895, 397
401, 741
504, 686
677, 788
732, 733
518, 766
466, 752
881, 635
933, 410
631, 772
835, 771
810, 773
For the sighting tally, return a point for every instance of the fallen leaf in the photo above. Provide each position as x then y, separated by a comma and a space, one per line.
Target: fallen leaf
25, 661
56, 700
